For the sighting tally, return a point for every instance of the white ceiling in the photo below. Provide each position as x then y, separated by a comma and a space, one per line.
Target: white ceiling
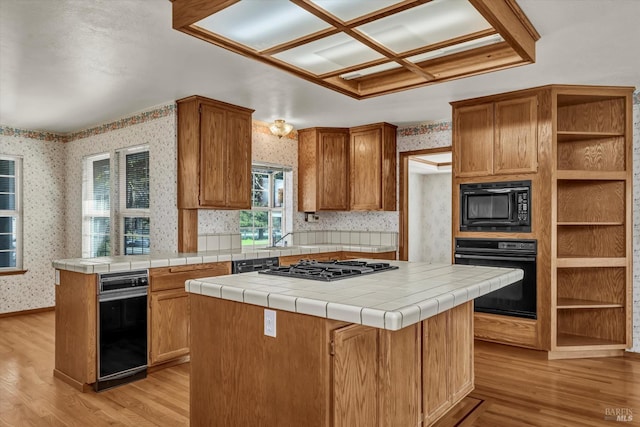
67, 65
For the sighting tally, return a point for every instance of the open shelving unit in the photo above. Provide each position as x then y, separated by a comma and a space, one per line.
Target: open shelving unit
591, 222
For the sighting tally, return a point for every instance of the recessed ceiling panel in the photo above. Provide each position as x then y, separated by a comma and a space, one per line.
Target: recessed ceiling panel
433, 22
261, 24
370, 70
460, 47
347, 10
329, 54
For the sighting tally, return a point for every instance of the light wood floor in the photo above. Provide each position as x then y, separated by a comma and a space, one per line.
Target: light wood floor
515, 387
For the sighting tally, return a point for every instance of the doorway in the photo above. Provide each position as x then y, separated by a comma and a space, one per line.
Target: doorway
425, 205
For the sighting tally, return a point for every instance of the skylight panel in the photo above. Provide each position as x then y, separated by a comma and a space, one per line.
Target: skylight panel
346, 10
460, 47
329, 54
370, 70
261, 24
433, 22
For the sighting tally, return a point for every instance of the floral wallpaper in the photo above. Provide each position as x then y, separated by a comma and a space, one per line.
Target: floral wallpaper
430, 217
157, 129
43, 195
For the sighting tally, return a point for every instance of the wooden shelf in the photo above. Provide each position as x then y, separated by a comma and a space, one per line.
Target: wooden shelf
579, 262
573, 303
569, 340
588, 223
581, 175
570, 136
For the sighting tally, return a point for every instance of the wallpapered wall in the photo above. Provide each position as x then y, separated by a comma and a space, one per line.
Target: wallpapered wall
430, 217
53, 191
43, 191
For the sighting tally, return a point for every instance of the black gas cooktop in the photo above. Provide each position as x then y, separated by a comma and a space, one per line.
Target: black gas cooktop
328, 271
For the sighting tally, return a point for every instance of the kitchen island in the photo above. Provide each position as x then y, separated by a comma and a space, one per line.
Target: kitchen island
387, 349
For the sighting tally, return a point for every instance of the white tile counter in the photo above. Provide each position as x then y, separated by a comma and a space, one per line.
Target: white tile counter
390, 300
136, 262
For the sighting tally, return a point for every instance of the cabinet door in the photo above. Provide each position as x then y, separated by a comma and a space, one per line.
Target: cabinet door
355, 376
366, 169
333, 167
169, 325
473, 140
516, 142
436, 396
461, 351
447, 344
238, 144
213, 138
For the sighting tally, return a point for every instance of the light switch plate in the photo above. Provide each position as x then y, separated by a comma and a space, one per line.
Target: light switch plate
270, 323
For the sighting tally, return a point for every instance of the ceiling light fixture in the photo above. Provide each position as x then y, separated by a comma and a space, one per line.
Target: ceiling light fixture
279, 128
365, 48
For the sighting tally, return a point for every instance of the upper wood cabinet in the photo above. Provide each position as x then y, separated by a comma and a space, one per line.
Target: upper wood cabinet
214, 154
323, 169
342, 169
496, 138
373, 167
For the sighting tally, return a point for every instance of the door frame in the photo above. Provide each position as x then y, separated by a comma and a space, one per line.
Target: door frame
403, 232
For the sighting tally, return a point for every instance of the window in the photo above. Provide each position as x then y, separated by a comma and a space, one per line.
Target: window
10, 213
264, 224
122, 217
134, 201
97, 206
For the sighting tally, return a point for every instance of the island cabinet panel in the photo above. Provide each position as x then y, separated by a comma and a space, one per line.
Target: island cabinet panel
75, 329
321, 372
323, 169
496, 138
373, 167
355, 376
447, 344
241, 377
169, 310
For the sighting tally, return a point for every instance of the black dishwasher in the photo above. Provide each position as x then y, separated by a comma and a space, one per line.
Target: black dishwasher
122, 328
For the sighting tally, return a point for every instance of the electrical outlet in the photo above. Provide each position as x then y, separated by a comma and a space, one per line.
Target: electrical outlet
270, 323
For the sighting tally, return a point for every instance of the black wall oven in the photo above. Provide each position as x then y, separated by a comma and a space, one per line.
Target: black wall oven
496, 206
518, 299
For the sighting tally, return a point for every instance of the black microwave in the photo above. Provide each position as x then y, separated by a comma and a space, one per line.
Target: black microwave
496, 206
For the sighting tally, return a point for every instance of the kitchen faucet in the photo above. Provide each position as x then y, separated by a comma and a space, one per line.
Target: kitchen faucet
280, 239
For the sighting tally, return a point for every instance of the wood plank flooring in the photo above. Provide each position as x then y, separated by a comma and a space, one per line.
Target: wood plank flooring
516, 387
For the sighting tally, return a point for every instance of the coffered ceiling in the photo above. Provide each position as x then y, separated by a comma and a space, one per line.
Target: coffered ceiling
67, 65
365, 48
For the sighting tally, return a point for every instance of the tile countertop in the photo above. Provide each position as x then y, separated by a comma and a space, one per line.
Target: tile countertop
389, 300
137, 262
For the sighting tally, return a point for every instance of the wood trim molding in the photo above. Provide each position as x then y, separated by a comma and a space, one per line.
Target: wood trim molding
403, 232
31, 311
13, 272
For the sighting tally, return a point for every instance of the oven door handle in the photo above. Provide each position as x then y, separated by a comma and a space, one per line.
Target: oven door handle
120, 295
496, 258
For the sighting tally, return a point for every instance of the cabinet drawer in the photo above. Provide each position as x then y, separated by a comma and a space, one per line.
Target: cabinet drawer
165, 278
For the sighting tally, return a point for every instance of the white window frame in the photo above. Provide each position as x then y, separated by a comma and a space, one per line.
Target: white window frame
88, 211
270, 209
123, 211
17, 212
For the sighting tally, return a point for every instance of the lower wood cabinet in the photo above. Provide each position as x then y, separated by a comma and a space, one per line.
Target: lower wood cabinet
450, 345
168, 326
169, 310
318, 372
